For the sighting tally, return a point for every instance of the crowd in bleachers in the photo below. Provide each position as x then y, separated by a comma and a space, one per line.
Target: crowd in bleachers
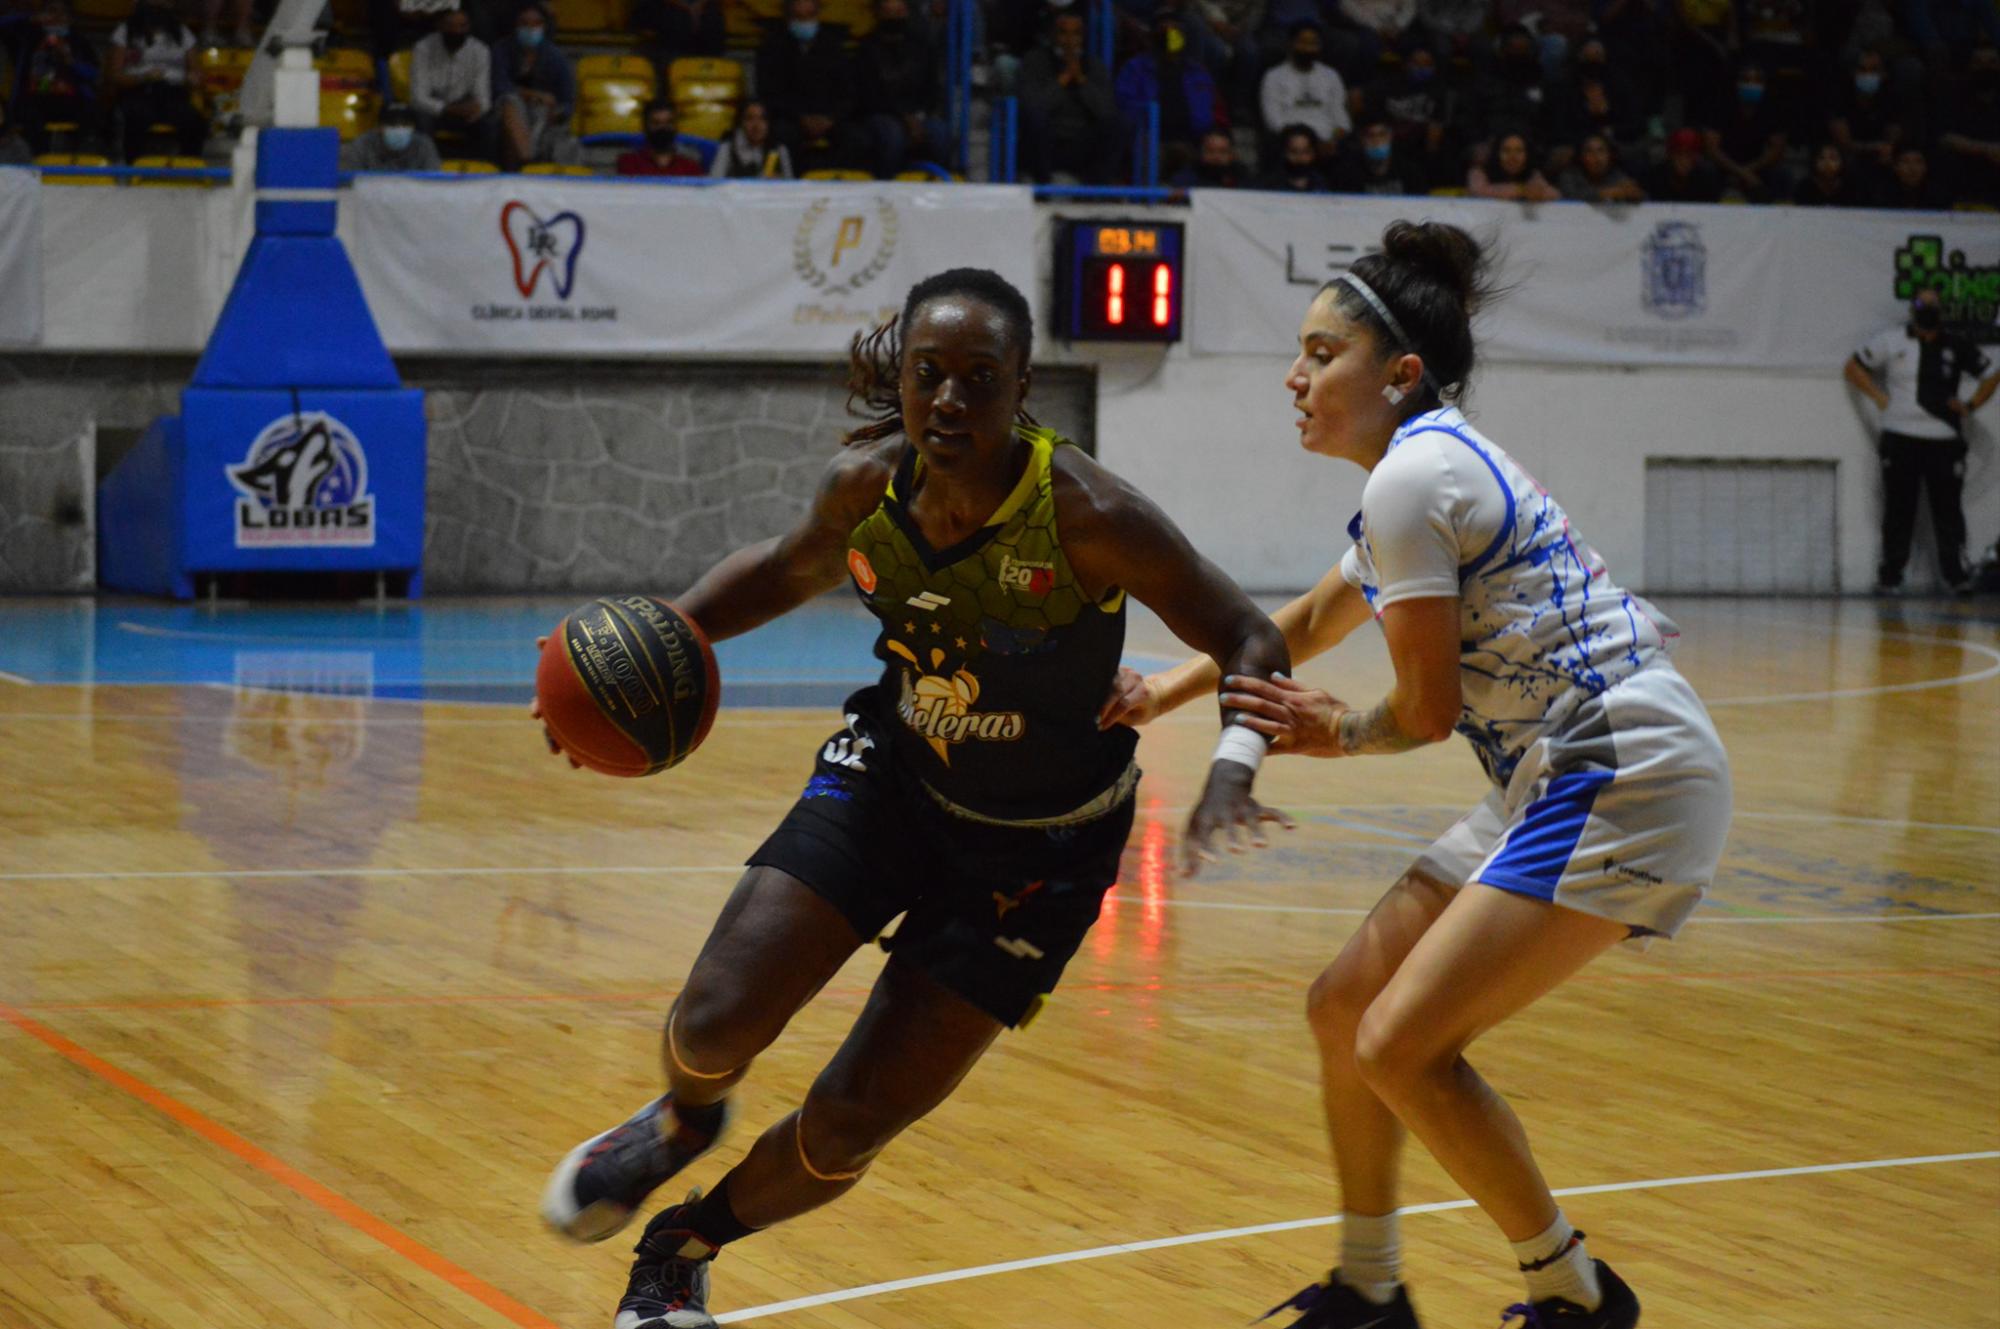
1890, 103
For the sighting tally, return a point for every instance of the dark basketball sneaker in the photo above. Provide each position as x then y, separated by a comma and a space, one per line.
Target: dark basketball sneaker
1618, 1310
668, 1288
598, 1186
1331, 1304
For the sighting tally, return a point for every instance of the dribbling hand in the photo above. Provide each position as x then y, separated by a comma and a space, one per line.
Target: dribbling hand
1226, 806
535, 713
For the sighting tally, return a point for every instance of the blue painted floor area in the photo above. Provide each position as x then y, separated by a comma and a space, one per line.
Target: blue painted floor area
475, 650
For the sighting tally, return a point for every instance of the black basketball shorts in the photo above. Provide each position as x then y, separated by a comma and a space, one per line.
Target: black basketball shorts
993, 913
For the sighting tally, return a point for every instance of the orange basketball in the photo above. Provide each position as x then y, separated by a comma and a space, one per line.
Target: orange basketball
628, 685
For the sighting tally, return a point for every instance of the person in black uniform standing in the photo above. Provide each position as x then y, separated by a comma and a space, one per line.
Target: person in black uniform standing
1923, 369
977, 786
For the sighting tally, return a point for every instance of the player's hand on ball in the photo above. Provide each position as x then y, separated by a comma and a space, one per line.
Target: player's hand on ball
1226, 816
1134, 700
535, 713
1294, 717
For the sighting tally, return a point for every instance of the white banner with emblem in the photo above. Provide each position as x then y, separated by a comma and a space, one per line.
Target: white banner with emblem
575, 267
1645, 285
20, 257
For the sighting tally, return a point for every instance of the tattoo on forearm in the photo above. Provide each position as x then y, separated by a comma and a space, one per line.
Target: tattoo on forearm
1367, 733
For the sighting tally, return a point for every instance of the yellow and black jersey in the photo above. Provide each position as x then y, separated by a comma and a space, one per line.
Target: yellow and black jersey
993, 659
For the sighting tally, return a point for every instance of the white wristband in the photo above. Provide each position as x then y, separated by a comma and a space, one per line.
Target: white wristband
1242, 745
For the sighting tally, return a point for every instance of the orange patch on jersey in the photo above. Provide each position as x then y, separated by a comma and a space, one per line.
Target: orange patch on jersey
863, 570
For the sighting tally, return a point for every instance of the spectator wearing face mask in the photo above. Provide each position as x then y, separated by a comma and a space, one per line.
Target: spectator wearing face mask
55, 74
671, 29
1069, 115
1372, 164
1748, 144
1864, 119
1298, 169
1971, 139
1685, 176
394, 144
1594, 176
807, 82
1513, 96
1829, 184
1304, 90
664, 154
1169, 73
451, 83
534, 93
152, 58
897, 71
1598, 98
1368, 29
750, 153
1214, 167
1510, 173
1419, 106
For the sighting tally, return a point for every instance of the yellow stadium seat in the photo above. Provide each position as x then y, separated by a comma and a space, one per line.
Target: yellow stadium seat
170, 161
706, 119
555, 168
1450, 191
109, 11
399, 75
219, 72
344, 70
75, 159
836, 173
467, 166
744, 20
352, 113
1969, 206
574, 16
616, 67
697, 78
610, 117
857, 16
927, 178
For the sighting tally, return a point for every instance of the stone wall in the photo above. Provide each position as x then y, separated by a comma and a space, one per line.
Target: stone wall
558, 477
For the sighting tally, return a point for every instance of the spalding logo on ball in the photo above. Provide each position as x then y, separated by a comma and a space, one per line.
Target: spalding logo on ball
628, 685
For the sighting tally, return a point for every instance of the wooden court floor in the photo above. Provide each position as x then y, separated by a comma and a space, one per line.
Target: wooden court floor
301, 995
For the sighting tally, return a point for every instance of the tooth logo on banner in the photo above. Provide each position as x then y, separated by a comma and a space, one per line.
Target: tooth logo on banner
539, 246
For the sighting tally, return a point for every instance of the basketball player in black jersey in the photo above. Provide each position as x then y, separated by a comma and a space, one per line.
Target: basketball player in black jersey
973, 787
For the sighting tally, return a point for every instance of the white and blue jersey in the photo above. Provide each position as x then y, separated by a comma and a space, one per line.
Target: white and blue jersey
1542, 627
1612, 790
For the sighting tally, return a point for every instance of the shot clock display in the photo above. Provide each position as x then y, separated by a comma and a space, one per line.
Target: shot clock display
1119, 280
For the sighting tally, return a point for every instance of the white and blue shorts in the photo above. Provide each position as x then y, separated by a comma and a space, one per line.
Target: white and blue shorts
1621, 811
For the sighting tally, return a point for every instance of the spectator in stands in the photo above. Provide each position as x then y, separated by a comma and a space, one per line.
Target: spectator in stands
671, 29
1596, 177
1369, 29
1685, 176
897, 69
239, 18
1560, 27
1778, 35
451, 83
1634, 33
1704, 47
1419, 106
1303, 90
14, 150
1972, 128
394, 144
1942, 27
1910, 187
1069, 117
664, 154
1452, 27
750, 152
152, 59
1510, 174
1371, 164
807, 83
1215, 166
1298, 169
1596, 99
1863, 119
534, 93
1748, 145
55, 75
1169, 73
1512, 97
1830, 184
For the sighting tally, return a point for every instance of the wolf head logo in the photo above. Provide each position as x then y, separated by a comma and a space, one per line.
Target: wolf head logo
290, 475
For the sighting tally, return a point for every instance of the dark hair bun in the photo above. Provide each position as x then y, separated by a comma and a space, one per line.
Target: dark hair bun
1444, 254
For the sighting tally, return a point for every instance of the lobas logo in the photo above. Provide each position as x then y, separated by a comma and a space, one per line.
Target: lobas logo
544, 252
304, 481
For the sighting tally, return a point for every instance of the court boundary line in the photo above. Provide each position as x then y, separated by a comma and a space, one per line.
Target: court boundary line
21, 679
1297, 1224
331, 1201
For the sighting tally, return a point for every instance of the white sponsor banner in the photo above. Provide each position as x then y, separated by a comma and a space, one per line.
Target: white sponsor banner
20, 257
1645, 285
571, 266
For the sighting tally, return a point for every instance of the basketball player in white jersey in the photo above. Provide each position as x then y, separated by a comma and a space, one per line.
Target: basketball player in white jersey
1610, 796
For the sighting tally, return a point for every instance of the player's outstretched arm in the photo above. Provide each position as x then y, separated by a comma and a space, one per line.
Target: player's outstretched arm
759, 582
1116, 537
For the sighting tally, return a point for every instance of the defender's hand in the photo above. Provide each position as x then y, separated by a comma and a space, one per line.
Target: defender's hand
1134, 700
1294, 717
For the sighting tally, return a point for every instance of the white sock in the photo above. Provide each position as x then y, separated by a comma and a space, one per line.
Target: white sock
1566, 1270
1371, 1255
